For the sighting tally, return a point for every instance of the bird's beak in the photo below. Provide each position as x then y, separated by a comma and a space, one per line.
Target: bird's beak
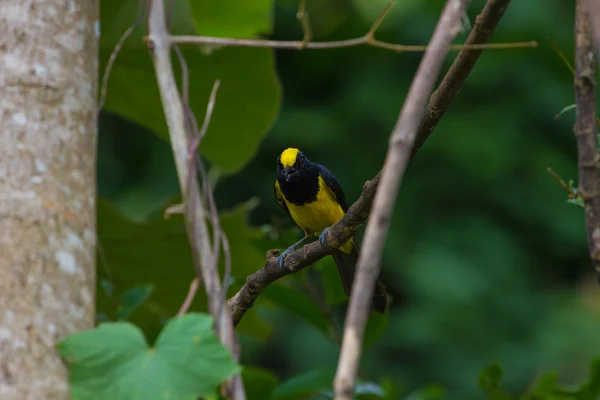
288, 173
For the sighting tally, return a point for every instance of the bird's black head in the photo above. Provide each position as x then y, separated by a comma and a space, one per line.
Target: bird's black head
298, 177
292, 165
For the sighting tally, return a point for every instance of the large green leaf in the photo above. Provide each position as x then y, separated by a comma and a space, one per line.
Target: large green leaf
247, 101
232, 18
114, 361
139, 253
246, 258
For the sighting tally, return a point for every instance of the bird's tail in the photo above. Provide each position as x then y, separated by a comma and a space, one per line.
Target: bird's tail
346, 264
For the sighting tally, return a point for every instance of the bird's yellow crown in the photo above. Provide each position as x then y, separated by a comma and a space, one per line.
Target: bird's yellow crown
288, 157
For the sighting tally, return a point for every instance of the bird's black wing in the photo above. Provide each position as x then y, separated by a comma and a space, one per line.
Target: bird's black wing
333, 184
279, 196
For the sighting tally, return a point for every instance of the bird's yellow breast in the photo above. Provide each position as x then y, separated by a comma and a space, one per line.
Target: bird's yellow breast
314, 217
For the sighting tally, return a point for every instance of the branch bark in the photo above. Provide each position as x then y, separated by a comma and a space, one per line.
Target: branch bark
48, 80
359, 211
400, 146
593, 7
585, 130
195, 211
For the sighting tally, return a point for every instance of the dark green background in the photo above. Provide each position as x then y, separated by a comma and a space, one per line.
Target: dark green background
486, 260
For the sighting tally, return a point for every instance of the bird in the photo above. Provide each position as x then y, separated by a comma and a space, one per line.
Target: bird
314, 198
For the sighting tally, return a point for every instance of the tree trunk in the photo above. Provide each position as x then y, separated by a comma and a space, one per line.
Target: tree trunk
48, 86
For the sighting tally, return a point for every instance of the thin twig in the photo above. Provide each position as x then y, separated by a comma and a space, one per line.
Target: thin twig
209, 109
371, 33
190, 297
485, 24
363, 40
113, 56
368, 39
585, 130
399, 150
302, 16
195, 212
339, 233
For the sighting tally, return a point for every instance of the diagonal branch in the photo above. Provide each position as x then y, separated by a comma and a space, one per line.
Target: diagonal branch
440, 100
585, 130
401, 143
359, 211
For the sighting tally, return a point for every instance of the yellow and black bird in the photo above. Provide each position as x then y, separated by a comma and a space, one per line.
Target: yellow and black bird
313, 197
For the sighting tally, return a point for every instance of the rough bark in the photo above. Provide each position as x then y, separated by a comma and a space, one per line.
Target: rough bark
48, 75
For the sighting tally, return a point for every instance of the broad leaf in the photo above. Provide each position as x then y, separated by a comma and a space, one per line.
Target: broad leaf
246, 104
132, 299
232, 18
114, 361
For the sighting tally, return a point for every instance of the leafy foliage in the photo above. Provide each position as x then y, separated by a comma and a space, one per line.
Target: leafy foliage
113, 361
483, 258
252, 93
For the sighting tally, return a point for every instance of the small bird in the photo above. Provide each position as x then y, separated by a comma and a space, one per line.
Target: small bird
313, 197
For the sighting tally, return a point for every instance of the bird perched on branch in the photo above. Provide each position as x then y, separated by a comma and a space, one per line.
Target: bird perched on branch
314, 199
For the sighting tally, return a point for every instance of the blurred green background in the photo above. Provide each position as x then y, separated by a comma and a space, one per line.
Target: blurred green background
485, 259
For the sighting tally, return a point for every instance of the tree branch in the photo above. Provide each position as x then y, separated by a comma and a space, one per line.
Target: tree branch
593, 7
359, 211
368, 39
195, 212
440, 100
360, 41
585, 130
400, 146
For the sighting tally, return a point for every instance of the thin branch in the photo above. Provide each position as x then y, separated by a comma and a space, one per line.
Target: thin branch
399, 150
371, 33
337, 235
344, 229
302, 16
113, 56
485, 24
190, 297
368, 39
209, 109
585, 130
195, 212
360, 41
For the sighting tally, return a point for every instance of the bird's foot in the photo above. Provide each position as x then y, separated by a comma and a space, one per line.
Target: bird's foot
322, 236
283, 255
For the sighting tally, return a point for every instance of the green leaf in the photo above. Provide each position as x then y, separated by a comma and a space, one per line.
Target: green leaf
246, 104
330, 278
298, 303
426, 393
309, 383
489, 382
591, 389
232, 18
114, 361
132, 299
258, 382
108, 287
246, 259
140, 252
